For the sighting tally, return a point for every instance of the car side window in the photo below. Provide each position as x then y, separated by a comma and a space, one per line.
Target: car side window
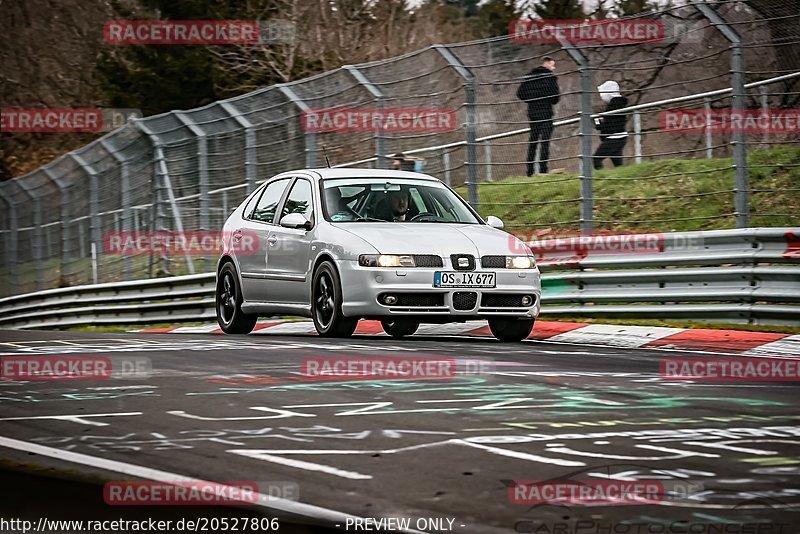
299, 200
268, 203
251, 203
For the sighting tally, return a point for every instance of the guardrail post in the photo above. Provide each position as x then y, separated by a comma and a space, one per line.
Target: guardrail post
37, 232
310, 137
94, 204
741, 187
377, 94
125, 199
11, 241
587, 201
637, 136
250, 153
470, 94
162, 175
202, 170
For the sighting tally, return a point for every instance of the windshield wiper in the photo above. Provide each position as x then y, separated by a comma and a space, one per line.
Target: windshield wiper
369, 219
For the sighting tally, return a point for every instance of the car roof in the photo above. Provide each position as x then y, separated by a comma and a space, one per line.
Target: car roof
368, 173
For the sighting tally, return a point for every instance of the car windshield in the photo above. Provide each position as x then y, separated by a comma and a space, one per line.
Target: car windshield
393, 200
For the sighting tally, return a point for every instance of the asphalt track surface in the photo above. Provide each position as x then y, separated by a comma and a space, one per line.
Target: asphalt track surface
232, 408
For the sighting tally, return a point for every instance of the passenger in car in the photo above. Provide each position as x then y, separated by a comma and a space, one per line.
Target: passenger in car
338, 210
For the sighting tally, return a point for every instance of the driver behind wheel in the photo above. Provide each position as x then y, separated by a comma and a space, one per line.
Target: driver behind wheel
395, 206
398, 200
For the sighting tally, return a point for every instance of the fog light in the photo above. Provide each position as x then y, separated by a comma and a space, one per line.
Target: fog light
389, 299
527, 300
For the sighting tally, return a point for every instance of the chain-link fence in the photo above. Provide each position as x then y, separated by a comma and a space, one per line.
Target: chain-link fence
185, 171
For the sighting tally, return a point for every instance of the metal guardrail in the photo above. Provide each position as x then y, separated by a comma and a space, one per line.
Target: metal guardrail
747, 276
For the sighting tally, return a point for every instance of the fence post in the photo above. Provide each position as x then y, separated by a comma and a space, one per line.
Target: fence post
311, 137
250, 152
94, 204
470, 94
37, 232
488, 159
741, 188
637, 136
11, 242
162, 172
125, 198
764, 97
377, 94
65, 221
446, 163
587, 201
709, 135
202, 171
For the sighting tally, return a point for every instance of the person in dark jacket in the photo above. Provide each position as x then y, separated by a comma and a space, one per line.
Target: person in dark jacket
612, 127
540, 92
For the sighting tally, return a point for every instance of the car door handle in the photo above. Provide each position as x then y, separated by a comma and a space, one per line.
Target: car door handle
272, 240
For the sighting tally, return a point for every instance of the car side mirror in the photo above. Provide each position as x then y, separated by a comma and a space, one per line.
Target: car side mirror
494, 222
296, 220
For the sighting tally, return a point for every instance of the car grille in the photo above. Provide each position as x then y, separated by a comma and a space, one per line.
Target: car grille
470, 262
464, 300
504, 301
493, 262
428, 260
415, 299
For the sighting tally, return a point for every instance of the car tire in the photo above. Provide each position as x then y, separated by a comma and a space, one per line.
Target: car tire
398, 328
326, 304
508, 329
230, 317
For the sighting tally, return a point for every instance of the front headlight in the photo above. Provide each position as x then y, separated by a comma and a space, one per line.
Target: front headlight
385, 260
519, 262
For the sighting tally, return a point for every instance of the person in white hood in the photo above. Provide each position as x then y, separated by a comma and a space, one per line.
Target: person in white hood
612, 127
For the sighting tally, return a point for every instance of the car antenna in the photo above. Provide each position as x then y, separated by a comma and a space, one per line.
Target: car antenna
325, 151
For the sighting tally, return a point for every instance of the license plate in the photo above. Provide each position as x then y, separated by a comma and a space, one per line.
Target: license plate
456, 279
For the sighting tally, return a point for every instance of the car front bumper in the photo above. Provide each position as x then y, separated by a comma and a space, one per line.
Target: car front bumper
361, 287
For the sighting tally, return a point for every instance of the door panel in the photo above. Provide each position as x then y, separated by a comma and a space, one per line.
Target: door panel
258, 224
289, 248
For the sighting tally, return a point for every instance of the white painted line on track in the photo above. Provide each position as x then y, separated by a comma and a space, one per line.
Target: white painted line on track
202, 329
302, 464
616, 335
299, 327
82, 419
788, 346
275, 503
449, 329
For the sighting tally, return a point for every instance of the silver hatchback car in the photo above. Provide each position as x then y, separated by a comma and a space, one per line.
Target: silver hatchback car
339, 245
